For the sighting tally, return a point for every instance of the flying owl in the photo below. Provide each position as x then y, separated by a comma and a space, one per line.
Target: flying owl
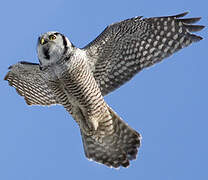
78, 78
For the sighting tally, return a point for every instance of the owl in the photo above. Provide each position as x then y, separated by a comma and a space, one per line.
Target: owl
79, 78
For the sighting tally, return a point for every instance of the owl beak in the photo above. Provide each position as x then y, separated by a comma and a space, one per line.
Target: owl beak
42, 41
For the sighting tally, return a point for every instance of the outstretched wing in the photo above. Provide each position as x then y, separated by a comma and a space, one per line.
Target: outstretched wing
125, 48
29, 82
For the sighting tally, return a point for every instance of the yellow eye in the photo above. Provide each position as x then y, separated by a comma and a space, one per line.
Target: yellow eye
52, 37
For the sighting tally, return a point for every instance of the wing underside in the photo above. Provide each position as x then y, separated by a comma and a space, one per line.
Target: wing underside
30, 83
125, 48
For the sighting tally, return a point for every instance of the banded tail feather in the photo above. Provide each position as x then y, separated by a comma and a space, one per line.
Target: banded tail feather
116, 149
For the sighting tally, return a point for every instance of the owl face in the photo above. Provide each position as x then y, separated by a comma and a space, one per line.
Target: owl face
52, 46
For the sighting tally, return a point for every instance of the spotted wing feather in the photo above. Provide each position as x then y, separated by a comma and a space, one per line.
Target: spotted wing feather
125, 48
30, 83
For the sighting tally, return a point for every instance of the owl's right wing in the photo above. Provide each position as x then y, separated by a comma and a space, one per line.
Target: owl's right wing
29, 81
125, 48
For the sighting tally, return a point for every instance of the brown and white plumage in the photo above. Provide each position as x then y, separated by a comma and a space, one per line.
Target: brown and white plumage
29, 82
79, 78
125, 48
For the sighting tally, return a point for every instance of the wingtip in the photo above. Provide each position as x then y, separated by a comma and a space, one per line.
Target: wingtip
6, 77
190, 20
181, 14
194, 28
195, 38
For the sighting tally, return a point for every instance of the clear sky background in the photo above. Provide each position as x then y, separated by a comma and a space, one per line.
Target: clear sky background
167, 103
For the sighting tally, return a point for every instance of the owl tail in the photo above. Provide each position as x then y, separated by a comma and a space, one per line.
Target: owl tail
115, 149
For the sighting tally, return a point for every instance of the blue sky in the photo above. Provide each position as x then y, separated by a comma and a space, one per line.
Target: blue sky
167, 103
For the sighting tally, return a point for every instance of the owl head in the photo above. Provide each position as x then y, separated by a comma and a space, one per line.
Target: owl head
52, 47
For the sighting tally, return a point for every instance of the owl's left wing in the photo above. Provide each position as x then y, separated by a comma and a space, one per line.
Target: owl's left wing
125, 48
30, 83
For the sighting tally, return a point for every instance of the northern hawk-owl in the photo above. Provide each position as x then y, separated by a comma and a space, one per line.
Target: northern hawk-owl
79, 78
